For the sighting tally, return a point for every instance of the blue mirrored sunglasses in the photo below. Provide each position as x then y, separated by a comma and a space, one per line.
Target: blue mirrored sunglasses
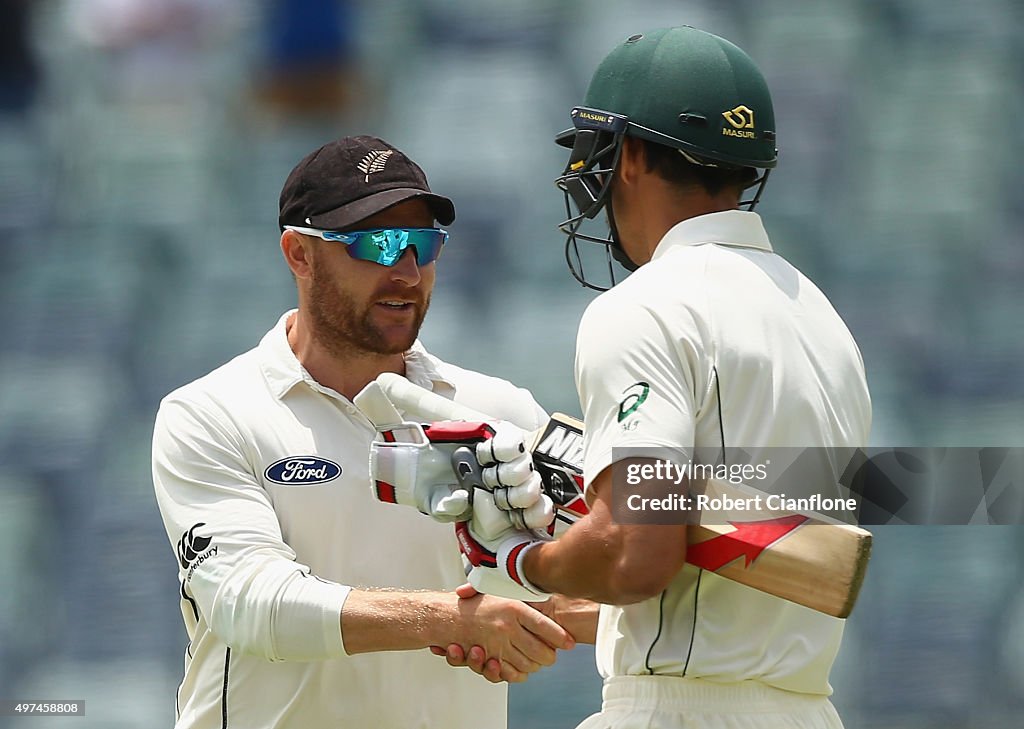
385, 245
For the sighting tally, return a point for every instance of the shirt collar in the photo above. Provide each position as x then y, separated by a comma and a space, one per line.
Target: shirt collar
283, 371
733, 228
421, 368
280, 366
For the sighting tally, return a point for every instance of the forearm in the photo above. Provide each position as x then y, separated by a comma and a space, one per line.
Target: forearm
380, 620
607, 562
577, 615
505, 630
581, 564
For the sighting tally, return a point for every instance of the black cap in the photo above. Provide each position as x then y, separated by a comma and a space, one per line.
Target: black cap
349, 180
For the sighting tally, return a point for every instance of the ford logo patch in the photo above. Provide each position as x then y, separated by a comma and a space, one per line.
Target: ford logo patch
302, 471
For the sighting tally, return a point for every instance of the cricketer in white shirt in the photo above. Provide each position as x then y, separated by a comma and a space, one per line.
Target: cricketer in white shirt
736, 348
261, 475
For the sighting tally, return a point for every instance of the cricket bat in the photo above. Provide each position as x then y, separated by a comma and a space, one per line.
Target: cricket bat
800, 557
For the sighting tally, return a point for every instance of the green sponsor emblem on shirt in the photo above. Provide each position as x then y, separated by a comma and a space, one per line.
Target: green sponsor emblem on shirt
635, 396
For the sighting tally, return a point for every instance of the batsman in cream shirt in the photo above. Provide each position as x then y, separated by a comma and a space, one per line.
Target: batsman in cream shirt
724, 344
261, 475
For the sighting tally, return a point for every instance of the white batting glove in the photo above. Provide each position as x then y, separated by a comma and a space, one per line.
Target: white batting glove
495, 560
509, 474
521, 507
406, 468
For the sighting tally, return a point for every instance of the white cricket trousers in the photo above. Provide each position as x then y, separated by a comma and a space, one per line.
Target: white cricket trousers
670, 702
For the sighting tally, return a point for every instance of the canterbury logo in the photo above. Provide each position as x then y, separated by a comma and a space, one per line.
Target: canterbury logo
742, 117
374, 162
191, 546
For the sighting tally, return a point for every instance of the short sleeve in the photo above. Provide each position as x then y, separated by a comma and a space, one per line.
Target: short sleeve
640, 386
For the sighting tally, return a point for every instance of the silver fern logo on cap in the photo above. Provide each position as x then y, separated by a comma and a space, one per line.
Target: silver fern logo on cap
374, 162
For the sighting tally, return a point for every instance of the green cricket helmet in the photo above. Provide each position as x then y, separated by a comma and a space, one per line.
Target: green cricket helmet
679, 87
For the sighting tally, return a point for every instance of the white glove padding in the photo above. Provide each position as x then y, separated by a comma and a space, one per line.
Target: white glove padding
509, 473
521, 507
407, 469
507, 444
496, 560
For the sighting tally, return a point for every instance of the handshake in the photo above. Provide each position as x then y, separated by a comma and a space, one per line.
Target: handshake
478, 475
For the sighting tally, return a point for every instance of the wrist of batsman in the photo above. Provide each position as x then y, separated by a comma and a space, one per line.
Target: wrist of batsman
497, 565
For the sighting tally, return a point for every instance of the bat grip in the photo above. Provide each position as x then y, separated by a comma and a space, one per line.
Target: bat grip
418, 402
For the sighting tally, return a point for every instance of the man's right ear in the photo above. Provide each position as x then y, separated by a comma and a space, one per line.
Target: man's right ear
633, 160
297, 250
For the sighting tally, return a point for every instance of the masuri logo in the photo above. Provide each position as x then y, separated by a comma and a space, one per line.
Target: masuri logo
741, 120
742, 117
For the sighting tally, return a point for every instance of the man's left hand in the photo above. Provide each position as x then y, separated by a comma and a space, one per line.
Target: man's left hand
495, 552
407, 468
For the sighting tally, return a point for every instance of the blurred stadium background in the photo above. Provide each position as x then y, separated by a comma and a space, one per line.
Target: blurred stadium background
143, 144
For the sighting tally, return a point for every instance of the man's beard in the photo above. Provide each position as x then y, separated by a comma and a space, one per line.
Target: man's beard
344, 329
